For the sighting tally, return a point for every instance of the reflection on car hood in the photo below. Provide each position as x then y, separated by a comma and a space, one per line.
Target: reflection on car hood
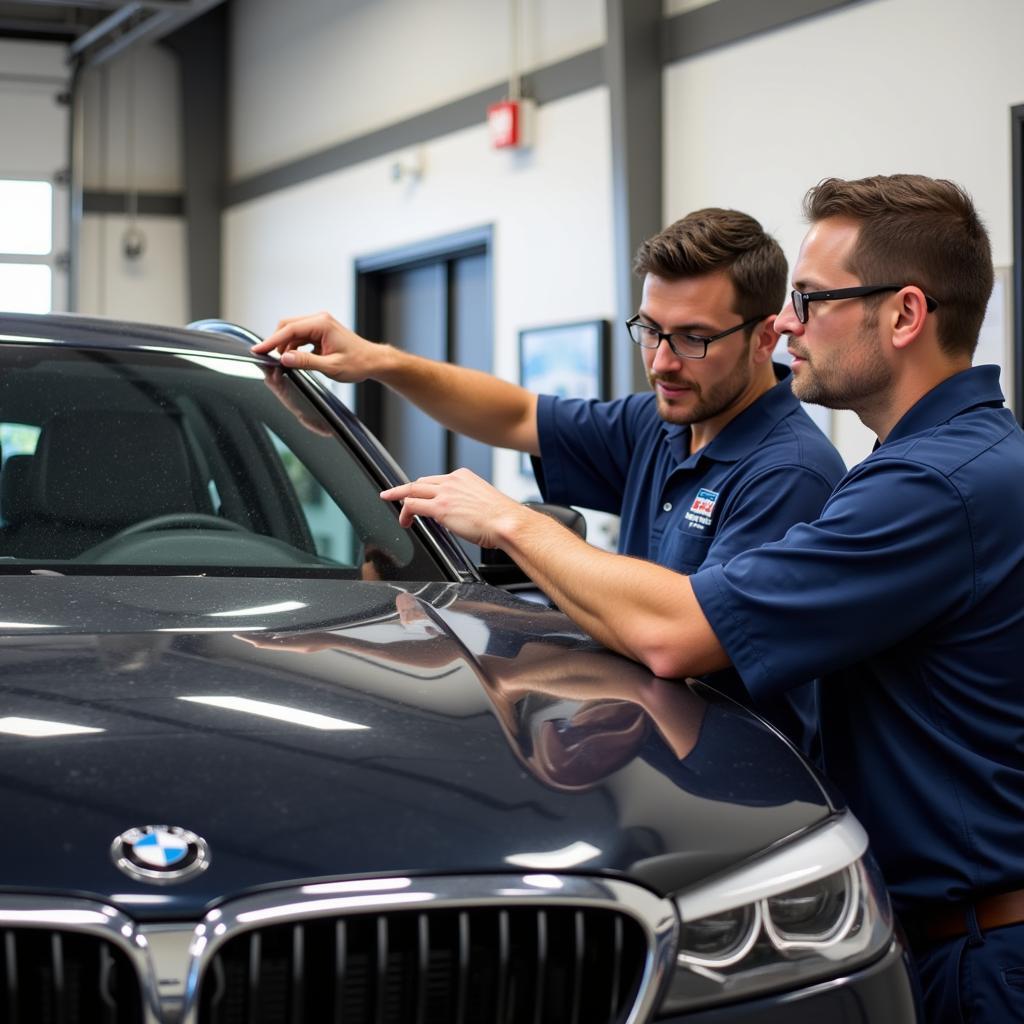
317, 728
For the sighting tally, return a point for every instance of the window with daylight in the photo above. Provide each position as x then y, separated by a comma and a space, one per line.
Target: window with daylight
26, 246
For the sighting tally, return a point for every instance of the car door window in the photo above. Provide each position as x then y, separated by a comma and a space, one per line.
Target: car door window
331, 530
165, 459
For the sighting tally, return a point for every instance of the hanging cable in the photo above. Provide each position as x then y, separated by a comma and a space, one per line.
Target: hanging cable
101, 232
133, 242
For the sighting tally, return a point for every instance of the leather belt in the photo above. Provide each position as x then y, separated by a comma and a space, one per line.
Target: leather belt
928, 927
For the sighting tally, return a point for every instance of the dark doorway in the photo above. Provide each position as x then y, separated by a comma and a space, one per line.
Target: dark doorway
433, 299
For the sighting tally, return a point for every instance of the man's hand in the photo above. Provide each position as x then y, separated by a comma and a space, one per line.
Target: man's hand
466, 401
642, 610
336, 351
461, 501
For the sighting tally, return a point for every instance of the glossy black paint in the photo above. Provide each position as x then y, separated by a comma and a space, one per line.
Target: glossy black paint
94, 332
491, 730
879, 993
314, 726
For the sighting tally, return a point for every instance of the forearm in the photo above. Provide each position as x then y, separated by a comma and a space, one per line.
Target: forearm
642, 610
466, 401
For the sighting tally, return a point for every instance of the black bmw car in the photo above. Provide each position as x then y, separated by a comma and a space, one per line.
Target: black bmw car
265, 756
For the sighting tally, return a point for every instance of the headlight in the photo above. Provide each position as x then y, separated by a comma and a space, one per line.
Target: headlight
813, 910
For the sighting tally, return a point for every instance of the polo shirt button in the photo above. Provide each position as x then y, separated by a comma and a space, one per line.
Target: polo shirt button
667, 507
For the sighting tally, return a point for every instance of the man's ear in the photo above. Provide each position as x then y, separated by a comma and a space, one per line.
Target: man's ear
765, 339
909, 316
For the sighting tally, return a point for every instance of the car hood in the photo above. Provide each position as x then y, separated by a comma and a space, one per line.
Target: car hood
316, 728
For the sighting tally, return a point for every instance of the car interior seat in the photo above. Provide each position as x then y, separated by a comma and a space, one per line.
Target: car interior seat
95, 473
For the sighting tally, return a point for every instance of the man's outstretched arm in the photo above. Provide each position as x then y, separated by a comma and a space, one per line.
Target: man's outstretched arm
467, 401
642, 610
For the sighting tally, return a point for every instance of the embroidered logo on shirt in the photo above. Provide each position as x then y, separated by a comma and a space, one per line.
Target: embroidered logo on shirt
702, 509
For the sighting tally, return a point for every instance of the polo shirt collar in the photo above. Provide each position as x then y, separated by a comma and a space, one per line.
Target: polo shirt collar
742, 435
978, 385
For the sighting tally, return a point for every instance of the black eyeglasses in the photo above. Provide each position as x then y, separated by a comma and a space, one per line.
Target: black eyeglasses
686, 346
802, 299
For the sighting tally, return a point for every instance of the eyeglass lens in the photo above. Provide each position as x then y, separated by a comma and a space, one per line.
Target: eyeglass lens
682, 345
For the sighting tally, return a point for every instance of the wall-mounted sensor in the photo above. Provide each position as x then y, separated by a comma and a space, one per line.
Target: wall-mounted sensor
133, 243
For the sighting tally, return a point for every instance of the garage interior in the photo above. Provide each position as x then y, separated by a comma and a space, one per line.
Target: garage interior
252, 159
215, 590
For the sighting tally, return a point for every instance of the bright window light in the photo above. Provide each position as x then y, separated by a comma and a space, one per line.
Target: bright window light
26, 217
25, 288
36, 727
18, 439
295, 716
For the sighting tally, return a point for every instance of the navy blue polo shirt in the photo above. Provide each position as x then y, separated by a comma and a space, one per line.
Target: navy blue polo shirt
907, 595
768, 468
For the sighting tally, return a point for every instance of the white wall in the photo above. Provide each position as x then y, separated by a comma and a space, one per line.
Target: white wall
294, 251
878, 87
149, 289
132, 140
881, 87
132, 117
311, 73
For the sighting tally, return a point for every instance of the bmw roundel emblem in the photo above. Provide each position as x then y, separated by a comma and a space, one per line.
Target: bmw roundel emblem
160, 854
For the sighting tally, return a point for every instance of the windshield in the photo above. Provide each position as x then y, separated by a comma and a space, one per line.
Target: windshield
155, 460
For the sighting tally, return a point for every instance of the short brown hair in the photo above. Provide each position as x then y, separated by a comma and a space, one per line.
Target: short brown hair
714, 239
917, 230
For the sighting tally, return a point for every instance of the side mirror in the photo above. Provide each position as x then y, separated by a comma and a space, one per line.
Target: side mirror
498, 569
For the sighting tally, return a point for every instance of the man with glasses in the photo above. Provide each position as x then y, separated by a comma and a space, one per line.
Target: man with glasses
719, 458
906, 596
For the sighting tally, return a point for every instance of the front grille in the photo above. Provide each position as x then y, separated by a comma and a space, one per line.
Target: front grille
56, 977
520, 965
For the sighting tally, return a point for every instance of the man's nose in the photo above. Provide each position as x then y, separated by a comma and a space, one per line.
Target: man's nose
664, 357
786, 322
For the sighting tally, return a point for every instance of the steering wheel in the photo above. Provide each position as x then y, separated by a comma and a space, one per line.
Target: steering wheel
178, 521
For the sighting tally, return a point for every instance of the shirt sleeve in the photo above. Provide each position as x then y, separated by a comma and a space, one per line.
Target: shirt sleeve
765, 506
585, 448
891, 555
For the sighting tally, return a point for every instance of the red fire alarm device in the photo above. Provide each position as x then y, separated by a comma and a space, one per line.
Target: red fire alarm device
509, 122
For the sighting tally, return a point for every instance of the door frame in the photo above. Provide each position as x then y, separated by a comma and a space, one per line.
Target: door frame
1017, 154
370, 270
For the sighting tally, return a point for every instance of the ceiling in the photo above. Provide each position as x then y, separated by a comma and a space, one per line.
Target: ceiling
97, 30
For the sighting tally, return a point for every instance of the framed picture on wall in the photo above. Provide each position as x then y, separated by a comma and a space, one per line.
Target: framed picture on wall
568, 360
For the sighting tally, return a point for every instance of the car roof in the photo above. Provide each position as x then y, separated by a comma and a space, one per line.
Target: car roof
102, 332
